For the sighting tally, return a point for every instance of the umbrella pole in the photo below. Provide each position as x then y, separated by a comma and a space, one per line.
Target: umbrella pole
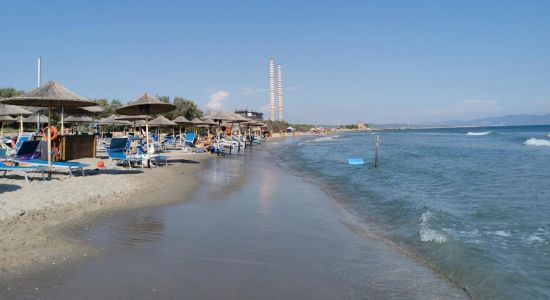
147, 136
2, 131
20, 124
49, 141
63, 120
181, 141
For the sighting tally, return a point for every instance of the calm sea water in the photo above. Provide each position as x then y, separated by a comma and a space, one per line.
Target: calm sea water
474, 204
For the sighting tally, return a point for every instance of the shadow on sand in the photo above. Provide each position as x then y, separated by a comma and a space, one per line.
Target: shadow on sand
8, 188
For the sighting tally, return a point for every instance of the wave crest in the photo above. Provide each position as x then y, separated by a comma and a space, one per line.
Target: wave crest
427, 234
537, 142
478, 133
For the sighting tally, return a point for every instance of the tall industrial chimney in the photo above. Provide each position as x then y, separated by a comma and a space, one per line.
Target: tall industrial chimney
271, 90
280, 89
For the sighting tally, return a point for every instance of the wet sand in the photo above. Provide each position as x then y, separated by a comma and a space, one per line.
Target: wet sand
35, 216
249, 231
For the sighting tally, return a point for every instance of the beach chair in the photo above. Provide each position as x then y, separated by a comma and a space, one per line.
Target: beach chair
189, 142
156, 159
28, 154
118, 152
3, 154
5, 167
169, 142
23, 137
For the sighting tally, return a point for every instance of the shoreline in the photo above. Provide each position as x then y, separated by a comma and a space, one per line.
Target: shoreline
69, 243
36, 237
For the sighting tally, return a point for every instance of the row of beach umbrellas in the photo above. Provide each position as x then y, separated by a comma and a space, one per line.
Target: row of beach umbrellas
53, 95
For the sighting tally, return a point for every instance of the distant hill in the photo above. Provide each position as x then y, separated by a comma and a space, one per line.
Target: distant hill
508, 120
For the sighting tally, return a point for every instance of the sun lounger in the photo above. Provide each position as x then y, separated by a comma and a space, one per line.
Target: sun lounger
156, 159
189, 142
3, 154
23, 137
4, 167
118, 152
28, 154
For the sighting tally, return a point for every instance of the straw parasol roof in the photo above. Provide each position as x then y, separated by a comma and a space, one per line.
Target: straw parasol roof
78, 119
220, 116
34, 119
209, 122
133, 118
253, 123
113, 120
145, 104
49, 94
197, 121
238, 118
7, 119
13, 110
181, 120
161, 121
83, 110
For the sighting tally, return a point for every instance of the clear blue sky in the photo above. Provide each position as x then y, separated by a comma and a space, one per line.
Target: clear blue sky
383, 61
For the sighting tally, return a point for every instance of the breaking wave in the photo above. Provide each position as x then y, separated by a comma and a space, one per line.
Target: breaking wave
537, 142
478, 133
427, 234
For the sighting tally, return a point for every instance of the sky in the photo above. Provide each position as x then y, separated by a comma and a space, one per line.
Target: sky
343, 61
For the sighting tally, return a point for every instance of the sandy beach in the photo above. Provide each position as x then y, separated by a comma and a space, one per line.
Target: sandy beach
248, 230
35, 216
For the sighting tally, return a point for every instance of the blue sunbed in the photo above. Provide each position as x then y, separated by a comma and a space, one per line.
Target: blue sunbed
117, 152
24, 169
27, 154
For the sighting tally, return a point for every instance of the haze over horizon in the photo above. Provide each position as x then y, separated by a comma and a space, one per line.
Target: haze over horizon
378, 62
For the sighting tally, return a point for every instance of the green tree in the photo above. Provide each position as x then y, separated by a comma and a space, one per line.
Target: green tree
165, 99
184, 107
104, 103
9, 92
115, 103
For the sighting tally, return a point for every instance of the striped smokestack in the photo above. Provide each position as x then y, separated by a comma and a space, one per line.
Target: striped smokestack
271, 89
280, 89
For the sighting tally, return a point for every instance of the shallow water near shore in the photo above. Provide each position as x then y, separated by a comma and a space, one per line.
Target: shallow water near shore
473, 203
250, 231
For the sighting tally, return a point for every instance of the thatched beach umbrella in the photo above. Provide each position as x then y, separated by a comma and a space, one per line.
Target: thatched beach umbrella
5, 119
162, 121
14, 110
36, 119
238, 120
51, 94
78, 119
113, 120
182, 121
79, 111
147, 105
136, 119
220, 117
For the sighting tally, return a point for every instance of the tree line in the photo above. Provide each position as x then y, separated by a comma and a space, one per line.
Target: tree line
184, 107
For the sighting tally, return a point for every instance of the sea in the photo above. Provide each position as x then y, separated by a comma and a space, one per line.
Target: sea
471, 203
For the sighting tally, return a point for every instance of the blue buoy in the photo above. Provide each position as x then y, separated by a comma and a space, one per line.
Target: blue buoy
355, 161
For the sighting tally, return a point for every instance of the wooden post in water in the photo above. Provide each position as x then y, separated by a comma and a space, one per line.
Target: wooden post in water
377, 143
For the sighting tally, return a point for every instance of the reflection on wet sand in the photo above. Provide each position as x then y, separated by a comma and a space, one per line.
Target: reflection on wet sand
142, 231
225, 176
268, 183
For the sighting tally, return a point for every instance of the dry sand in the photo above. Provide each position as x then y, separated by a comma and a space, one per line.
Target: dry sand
35, 217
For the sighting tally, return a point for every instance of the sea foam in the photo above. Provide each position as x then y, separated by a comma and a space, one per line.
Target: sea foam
537, 142
478, 133
427, 234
